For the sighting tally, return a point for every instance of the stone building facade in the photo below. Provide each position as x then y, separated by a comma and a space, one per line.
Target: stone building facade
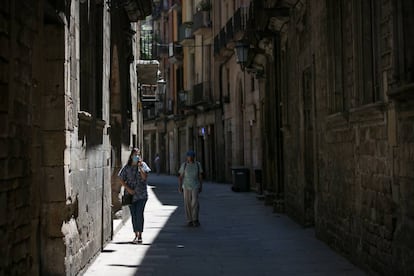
343, 78
323, 108
211, 105
59, 103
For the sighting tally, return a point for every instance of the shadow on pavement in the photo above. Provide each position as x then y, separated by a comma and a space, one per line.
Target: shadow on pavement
238, 236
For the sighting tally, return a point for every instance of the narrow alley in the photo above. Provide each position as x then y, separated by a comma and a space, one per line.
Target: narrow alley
310, 102
238, 236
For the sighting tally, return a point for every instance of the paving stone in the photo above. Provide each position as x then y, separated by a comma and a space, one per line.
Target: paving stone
238, 236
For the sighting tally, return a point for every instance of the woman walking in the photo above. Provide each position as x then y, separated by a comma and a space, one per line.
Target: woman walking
133, 177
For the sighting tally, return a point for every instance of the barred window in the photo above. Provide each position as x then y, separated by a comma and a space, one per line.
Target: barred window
367, 84
335, 33
404, 41
91, 58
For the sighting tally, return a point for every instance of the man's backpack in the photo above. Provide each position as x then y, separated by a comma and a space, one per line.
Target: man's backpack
203, 175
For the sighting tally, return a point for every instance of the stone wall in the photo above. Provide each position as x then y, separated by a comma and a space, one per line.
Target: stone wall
55, 174
402, 219
18, 27
123, 98
362, 147
297, 116
355, 211
87, 155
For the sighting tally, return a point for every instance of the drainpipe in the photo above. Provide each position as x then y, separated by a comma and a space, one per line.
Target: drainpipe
103, 204
223, 166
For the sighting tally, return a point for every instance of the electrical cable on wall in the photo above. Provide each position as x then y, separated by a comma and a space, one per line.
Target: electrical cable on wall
179, 45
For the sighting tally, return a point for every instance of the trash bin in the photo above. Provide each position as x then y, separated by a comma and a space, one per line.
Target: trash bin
241, 179
258, 180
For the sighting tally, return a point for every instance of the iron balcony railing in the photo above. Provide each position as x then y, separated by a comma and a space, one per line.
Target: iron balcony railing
160, 50
150, 113
147, 45
200, 94
175, 50
233, 30
185, 31
222, 37
220, 42
216, 45
149, 93
229, 30
241, 17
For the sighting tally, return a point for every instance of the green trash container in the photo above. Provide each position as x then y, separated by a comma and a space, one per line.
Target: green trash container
241, 179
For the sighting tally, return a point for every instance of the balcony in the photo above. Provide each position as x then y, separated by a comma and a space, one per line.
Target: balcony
147, 49
229, 34
216, 45
160, 50
151, 113
234, 30
202, 23
185, 34
182, 99
220, 47
137, 9
149, 95
240, 19
175, 53
199, 95
147, 72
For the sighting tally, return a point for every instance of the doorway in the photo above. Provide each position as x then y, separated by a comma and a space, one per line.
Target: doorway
309, 147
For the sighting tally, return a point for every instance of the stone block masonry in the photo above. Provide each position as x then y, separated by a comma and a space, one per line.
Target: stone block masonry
55, 207
364, 170
16, 33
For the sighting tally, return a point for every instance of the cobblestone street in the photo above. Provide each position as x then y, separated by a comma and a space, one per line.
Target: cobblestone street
238, 236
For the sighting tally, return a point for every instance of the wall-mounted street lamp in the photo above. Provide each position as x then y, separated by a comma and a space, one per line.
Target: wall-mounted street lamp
241, 50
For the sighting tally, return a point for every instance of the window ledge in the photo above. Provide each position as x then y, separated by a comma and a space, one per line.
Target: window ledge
372, 107
85, 117
91, 127
337, 121
402, 93
373, 113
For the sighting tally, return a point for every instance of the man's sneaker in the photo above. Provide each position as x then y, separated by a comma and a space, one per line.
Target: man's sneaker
196, 223
190, 224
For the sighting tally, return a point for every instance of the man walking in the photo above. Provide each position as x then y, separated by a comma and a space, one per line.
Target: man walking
190, 183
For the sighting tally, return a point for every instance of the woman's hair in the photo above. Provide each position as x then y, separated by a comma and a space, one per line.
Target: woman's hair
133, 152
